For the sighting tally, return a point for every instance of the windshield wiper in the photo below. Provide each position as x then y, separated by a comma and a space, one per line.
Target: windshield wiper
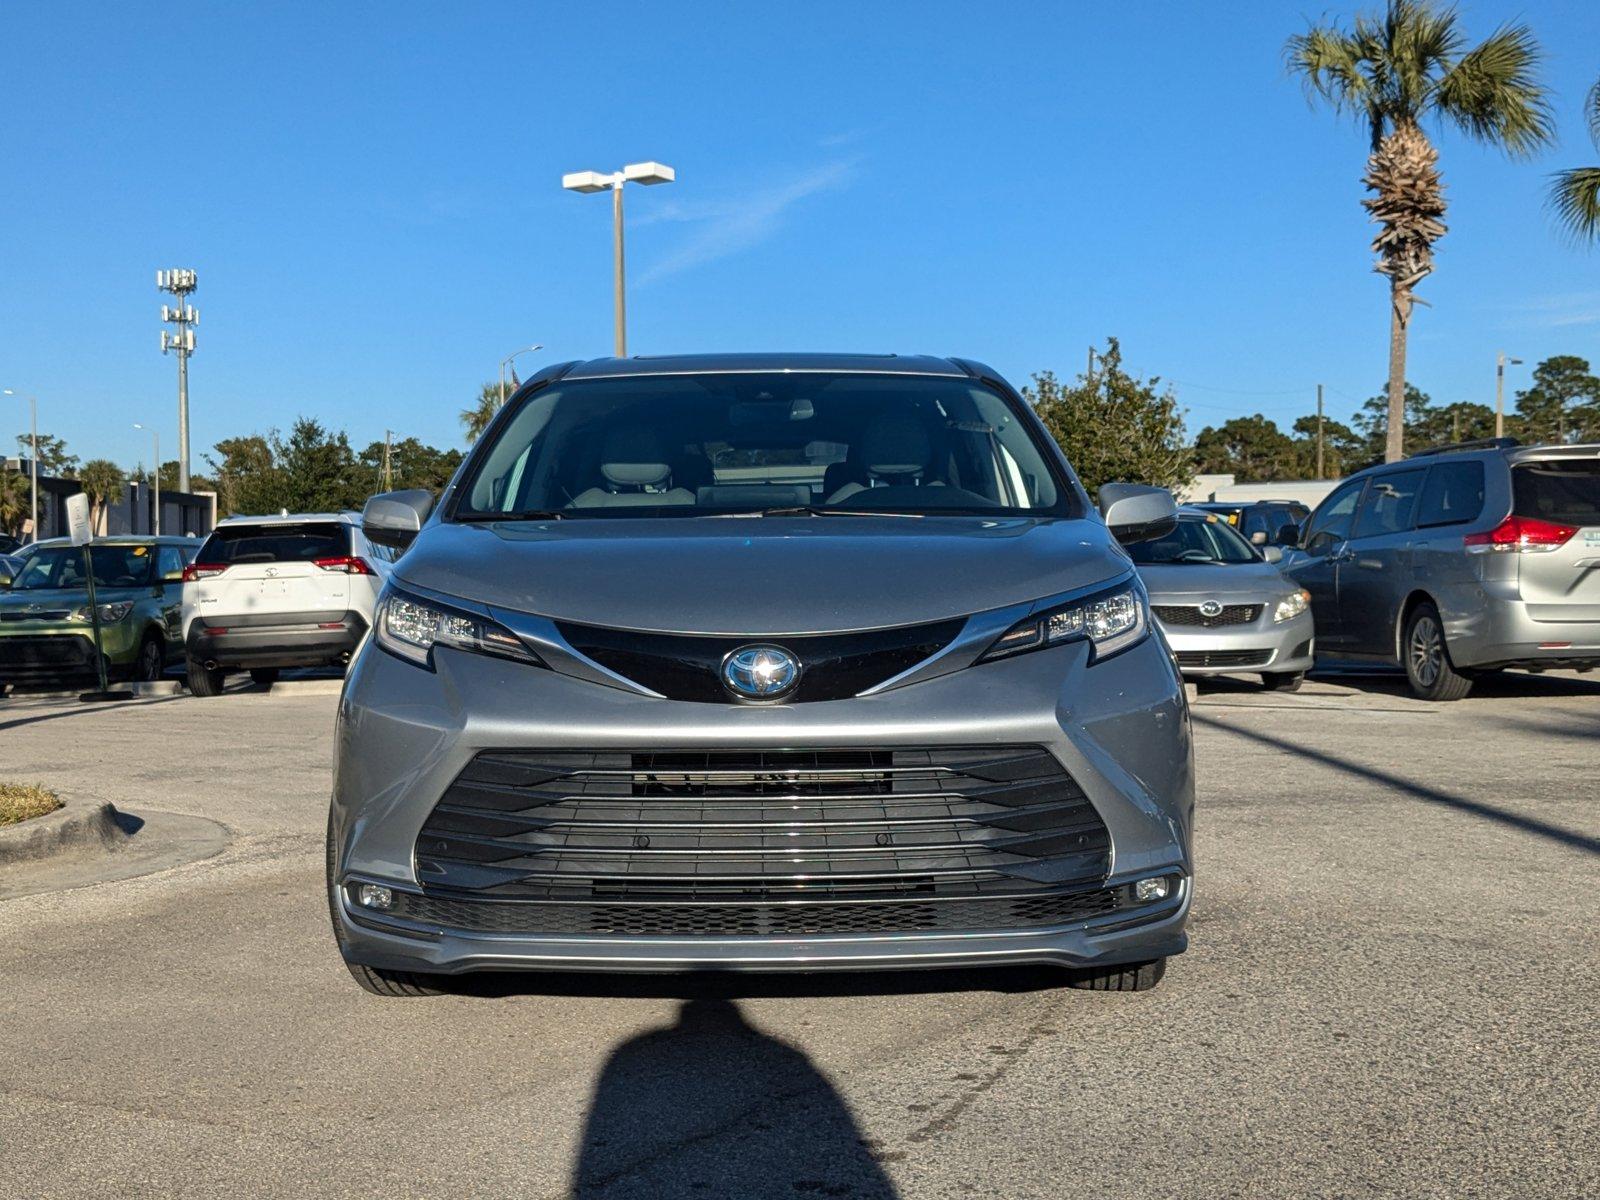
527, 514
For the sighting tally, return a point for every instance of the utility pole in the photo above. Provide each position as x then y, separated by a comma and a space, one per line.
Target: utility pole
155, 435
1319, 431
388, 471
180, 282
1500, 391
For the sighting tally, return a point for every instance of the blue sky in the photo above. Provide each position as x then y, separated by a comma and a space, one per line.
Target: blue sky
371, 196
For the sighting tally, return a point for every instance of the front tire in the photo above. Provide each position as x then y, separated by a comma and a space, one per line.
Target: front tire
152, 661
1283, 681
1429, 671
203, 681
1129, 977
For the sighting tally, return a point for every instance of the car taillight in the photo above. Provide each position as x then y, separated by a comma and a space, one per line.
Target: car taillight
346, 565
196, 571
1520, 535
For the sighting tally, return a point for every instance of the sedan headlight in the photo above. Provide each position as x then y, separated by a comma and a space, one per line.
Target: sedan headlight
411, 627
109, 613
1110, 622
1291, 606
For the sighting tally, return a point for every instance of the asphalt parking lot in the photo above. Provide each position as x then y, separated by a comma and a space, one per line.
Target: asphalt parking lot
1393, 989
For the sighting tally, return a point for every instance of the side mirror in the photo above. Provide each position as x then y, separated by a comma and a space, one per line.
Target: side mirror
395, 518
1136, 513
1273, 554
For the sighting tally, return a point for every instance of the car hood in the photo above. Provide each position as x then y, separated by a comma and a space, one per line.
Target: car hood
1232, 583
760, 575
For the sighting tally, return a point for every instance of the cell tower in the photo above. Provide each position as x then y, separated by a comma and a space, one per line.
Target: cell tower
180, 283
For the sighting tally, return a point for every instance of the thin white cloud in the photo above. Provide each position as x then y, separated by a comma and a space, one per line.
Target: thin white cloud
725, 226
1559, 312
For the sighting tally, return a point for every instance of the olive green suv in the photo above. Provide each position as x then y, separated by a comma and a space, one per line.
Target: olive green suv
46, 630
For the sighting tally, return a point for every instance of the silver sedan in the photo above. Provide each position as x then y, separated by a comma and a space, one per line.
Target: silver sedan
1223, 605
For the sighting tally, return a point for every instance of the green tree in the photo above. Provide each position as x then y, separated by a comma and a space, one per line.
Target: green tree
248, 481
1113, 426
169, 478
1372, 420
317, 469
15, 501
1343, 449
1394, 71
412, 463
1253, 449
53, 457
102, 481
1563, 403
1463, 421
1575, 194
476, 419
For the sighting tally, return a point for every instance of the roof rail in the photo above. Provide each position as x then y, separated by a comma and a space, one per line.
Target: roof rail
1496, 443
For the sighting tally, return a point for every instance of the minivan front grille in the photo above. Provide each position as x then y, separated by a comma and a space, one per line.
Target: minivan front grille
762, 827
833, 666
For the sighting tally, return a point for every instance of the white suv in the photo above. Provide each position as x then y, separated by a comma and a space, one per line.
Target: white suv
270, 592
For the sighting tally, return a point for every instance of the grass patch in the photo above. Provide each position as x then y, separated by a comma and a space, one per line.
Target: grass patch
19, 801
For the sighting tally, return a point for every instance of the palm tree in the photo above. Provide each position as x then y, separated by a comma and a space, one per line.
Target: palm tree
476, 419
14, 500
1392, 72
101, 479
1575, 194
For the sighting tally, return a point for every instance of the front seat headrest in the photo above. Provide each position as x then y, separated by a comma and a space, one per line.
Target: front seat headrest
896, 446
633, 458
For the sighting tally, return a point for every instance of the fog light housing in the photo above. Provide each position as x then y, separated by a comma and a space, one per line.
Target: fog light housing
1146, 890
374, 895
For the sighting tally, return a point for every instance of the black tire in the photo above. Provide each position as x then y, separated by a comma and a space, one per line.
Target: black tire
1429, 671
203, 682
152, 661
1283, 681
374, 980
264, 676
1129, 977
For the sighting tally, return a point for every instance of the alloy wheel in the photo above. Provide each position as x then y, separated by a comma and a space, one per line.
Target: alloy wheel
1427, 651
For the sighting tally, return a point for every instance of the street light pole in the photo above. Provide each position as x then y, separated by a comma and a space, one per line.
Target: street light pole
1500, 391
506, 362
595, 181
33, 460
180, 283
155, 524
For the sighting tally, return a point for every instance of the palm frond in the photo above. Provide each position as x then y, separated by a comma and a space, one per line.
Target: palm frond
1575, 198
1334, 67
1493, 94
1593, 106
1419, 42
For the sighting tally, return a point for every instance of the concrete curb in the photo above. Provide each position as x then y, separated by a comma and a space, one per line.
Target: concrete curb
72, 827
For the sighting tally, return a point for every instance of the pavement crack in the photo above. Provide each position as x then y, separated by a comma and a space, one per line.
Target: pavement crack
977, 1085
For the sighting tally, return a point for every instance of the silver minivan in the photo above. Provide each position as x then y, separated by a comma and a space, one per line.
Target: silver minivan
1458, 562
763, 662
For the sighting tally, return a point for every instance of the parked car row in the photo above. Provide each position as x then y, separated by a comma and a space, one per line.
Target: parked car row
259, 594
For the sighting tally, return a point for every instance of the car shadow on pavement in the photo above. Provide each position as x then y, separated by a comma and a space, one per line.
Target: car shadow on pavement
1496, 685
73, 708
1418, 791
712, 1106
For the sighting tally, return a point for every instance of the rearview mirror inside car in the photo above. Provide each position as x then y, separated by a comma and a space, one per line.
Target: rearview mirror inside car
1289, 535
1137, 513
395, 518
1258, 538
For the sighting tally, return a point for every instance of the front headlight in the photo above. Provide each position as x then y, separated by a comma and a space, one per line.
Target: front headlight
1110, 621
109, 613
1291, 606
411, 627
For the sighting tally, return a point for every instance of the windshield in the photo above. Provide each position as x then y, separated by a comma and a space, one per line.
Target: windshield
276, 542
721, 444
62, 567
1195, 540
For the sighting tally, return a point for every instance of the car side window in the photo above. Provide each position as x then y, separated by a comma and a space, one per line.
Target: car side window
1452, 495
169, 561
1389, 503
1332, 522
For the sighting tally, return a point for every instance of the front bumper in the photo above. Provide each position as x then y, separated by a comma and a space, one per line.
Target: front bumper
1262, 645
1120, 728
276, 640
32, 651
